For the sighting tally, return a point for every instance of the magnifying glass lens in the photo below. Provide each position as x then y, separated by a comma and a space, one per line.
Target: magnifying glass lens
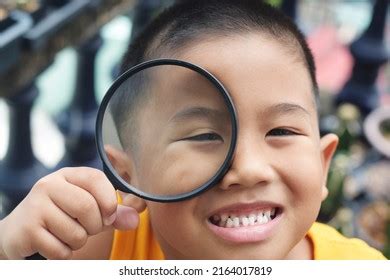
166, 131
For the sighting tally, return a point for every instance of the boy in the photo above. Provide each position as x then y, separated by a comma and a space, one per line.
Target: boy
279, 170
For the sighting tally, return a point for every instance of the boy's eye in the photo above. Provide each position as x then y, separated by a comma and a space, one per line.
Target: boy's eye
281, 132
204, 137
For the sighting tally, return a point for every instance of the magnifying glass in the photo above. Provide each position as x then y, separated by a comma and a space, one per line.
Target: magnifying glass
166, 131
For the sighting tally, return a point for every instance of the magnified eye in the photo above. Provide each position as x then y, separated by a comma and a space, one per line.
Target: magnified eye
281, 132
205, 137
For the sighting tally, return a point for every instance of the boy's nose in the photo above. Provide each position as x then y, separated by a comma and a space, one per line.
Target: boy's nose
251, 166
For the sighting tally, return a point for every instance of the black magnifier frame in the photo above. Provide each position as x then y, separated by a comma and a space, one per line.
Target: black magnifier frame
108, 169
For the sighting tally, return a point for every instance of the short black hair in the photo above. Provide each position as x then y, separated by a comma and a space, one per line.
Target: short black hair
188, 21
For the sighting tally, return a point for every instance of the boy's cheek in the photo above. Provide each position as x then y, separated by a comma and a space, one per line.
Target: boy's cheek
166, 222
171, 219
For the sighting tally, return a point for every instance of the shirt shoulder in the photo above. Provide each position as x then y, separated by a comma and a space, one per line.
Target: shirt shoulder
329, 244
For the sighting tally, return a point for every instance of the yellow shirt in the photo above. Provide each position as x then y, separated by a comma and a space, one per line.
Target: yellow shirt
328, 244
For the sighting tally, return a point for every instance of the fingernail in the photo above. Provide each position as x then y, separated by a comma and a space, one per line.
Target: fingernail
109, 220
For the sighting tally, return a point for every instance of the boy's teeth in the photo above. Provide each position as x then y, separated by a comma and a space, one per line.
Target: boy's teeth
236, 222
224, 217
244, 221
268, 214
261, 219
229, 223
252, 220
232, 220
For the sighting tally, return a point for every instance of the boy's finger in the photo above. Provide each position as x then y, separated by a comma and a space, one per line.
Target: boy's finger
126, 218
65, 228
96, 183
50, 247
78, 204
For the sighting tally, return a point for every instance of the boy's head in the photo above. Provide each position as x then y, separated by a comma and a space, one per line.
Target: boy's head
272, 193
194, 21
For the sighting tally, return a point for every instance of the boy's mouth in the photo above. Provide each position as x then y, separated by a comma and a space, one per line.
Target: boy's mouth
243, 223
254, 217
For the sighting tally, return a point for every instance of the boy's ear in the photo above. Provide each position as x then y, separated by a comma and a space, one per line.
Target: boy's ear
120, 161
328, 145
123, 165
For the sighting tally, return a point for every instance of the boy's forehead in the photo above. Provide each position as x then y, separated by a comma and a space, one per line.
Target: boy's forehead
235, 48
255, 67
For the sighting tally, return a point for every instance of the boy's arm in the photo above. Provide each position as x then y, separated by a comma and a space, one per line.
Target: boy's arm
98, 247
61, 213
2, 254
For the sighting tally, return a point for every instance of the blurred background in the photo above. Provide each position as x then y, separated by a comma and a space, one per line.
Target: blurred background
57, 59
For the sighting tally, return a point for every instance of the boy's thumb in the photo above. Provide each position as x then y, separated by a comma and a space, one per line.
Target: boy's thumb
134, 201
126, 218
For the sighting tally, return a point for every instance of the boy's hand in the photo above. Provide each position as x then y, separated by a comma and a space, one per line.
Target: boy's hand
59, 214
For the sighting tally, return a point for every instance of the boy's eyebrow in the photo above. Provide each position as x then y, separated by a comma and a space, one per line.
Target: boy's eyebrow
285, 109
197, 113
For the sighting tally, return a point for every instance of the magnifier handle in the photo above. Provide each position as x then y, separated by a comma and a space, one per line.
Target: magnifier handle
36, 256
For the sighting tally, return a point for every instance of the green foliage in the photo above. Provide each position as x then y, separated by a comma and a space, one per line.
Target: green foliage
275, 3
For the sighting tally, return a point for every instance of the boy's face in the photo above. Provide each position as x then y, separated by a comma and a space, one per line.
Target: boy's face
280, 162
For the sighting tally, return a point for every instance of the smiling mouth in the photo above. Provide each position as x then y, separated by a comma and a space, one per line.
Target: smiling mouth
239, 220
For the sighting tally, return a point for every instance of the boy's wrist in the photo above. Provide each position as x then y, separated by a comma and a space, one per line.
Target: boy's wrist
2, 254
